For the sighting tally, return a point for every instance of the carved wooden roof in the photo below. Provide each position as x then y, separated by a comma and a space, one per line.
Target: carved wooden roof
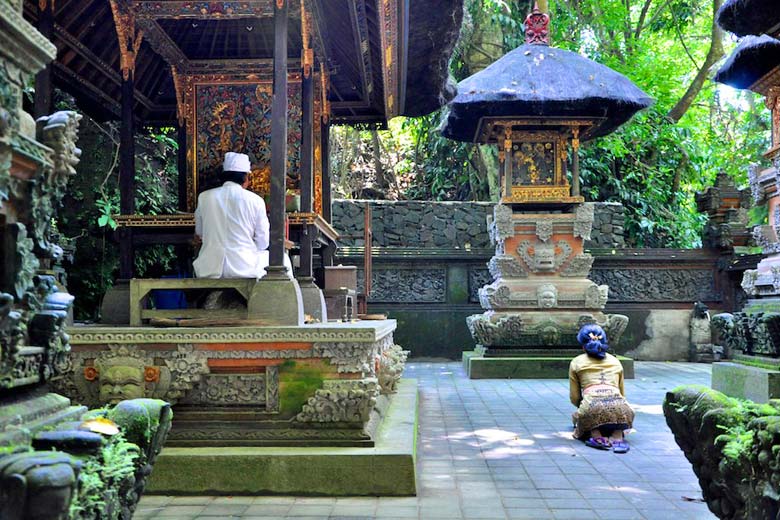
380, 55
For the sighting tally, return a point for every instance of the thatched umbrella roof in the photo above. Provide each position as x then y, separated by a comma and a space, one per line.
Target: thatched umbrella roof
744, 17
753, 59
542, 81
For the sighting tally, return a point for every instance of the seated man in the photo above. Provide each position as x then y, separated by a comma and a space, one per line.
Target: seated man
233, 225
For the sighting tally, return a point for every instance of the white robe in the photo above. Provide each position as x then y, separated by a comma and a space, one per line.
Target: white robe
234, 227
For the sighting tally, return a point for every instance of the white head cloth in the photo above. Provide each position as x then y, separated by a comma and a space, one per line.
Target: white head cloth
236, 162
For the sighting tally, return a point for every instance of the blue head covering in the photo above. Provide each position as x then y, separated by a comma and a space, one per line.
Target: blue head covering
594, 340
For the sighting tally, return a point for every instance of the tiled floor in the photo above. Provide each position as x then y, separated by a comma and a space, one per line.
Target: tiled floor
499, 449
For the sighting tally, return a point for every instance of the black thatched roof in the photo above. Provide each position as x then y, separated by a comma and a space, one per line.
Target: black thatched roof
428, 85
744, 17
755, 57
537, 80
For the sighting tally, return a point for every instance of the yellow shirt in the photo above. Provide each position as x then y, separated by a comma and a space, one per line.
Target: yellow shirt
585, 371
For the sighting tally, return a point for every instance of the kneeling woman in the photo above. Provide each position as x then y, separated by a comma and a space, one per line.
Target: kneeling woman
596, 389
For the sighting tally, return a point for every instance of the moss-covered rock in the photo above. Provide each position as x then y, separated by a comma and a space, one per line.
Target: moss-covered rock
734, 447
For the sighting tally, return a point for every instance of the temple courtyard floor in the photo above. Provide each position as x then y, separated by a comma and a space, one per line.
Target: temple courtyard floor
502, 449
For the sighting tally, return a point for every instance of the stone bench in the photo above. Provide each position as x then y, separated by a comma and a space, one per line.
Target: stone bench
140, 289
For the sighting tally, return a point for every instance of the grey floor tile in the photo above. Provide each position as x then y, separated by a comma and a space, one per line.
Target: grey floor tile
502, 449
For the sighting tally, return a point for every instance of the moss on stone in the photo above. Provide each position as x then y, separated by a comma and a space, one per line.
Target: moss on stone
734, 446
297, 383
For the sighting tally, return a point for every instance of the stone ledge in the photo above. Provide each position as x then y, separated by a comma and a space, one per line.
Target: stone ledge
478, 367
358, 332
388, 469
746, 382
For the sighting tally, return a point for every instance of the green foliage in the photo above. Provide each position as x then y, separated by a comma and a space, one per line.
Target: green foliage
92, 200
110, 470
653, 165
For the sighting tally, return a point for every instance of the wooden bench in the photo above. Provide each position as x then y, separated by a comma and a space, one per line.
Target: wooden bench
140, 289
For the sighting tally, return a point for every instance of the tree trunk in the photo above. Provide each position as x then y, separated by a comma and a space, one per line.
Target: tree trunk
715, 53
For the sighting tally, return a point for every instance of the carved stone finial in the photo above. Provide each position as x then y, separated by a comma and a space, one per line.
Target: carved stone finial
537, 26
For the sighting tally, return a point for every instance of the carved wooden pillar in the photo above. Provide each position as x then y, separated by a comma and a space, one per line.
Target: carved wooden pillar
575, 162
42, 105
126, 178
327, 195
278, 135
181, 162
307, 145
508, 162
129, 43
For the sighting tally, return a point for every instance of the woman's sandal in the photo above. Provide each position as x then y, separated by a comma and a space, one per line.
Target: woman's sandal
620, 446
600, 443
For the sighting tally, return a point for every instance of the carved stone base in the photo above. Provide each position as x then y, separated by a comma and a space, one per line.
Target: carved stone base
115, 309
706, 353
276, 300
540, 329
313, 300
387, 469
478, 366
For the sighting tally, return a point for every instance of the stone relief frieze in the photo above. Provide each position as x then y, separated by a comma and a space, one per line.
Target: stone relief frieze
502, 220
427, 285
341, 401
650, 285
82, 336
391, 365
544, 257
755, 184
129, 372
766, 238
478, 278
544, 230
506, 266
579, 267
228, 389
583, 220
494, 296
353, 357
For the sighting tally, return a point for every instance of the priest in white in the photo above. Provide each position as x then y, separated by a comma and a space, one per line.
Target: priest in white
233, 225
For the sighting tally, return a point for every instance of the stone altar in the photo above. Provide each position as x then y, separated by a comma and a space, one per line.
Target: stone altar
319, 384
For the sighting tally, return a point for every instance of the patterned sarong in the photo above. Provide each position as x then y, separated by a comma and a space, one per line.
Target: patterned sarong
602, 406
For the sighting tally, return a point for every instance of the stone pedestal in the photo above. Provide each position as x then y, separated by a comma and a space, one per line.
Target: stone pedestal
746, 381
115, 307
276, 300
313, 300
540, 296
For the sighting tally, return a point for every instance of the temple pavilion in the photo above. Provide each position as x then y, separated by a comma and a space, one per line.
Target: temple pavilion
268, 78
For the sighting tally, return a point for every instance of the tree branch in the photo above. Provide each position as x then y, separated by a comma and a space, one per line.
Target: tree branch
640, 24
714, 54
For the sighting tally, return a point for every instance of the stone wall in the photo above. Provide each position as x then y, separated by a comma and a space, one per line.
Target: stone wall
452, 225
429, 279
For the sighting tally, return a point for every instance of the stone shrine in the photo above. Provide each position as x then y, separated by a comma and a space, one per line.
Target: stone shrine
537, 104
753, 335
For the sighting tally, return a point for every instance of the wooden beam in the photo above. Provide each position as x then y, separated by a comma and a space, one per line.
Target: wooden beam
43, 88
278, 135
108, 71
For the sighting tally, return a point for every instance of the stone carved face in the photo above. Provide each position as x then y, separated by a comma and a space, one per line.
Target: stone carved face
547, 296
118, 382
544, 257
